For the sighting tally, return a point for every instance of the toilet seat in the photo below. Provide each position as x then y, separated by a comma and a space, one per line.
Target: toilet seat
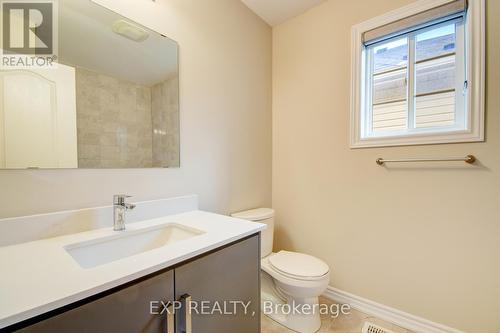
298, 265
286, 286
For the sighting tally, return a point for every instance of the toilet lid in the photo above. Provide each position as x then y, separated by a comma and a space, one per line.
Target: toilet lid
298, 264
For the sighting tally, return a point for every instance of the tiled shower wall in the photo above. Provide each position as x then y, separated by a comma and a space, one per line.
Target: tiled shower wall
115, 123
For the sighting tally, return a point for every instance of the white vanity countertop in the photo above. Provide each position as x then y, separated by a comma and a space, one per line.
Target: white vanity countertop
40, 276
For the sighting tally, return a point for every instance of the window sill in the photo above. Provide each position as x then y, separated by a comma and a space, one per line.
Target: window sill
417, 139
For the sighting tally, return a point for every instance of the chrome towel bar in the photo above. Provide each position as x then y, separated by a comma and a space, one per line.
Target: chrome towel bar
467, 159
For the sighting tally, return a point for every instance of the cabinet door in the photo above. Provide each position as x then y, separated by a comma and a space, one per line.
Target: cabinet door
230, 274
125, 311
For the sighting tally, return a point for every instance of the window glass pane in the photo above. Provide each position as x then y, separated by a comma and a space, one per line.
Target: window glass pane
435, 110
435, 93
389, 90
435, 42
390, 55
390, 117
389, 86
435, 75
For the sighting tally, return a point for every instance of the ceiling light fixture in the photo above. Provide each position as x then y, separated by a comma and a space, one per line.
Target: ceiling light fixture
130, 31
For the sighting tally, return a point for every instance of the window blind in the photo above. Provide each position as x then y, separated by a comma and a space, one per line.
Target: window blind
407, 24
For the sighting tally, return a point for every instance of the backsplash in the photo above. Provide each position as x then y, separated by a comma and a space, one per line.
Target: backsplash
34, 227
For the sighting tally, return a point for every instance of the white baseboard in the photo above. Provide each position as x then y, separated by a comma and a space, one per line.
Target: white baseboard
394, 316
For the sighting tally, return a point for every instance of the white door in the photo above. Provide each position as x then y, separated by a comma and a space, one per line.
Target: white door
38, 118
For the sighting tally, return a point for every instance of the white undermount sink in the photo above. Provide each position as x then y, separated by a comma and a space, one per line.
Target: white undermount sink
124, 244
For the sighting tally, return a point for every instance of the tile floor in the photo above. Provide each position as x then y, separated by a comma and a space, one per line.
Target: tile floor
352, 323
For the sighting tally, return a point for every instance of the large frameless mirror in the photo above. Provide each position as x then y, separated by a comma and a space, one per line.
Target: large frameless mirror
111, 101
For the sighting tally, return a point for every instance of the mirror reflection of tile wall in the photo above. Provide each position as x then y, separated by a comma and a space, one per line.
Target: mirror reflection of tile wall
165, 119
124, 124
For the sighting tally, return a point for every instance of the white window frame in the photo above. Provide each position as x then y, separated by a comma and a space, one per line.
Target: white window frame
474, 26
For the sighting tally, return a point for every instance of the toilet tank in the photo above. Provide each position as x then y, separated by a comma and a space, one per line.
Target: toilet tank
264, 216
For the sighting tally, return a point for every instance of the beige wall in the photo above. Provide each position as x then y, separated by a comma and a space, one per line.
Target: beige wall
225, 98
421, 238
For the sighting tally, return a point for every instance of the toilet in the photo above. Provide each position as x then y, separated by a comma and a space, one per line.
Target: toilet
288, 279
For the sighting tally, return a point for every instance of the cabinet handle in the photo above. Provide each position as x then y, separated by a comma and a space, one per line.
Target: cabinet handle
170, 318
186, 300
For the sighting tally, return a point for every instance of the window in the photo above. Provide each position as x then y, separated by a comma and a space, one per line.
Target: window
416, 82
413, 76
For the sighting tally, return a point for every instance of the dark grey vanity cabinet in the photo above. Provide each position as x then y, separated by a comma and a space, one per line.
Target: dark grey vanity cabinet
222, 279
211, 284
126, 310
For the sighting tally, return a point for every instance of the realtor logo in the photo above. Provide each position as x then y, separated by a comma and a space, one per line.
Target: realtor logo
29, 33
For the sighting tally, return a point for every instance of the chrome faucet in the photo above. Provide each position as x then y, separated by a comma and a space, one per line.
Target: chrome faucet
119, 209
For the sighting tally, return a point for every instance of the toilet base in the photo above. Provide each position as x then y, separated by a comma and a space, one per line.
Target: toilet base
279, 307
